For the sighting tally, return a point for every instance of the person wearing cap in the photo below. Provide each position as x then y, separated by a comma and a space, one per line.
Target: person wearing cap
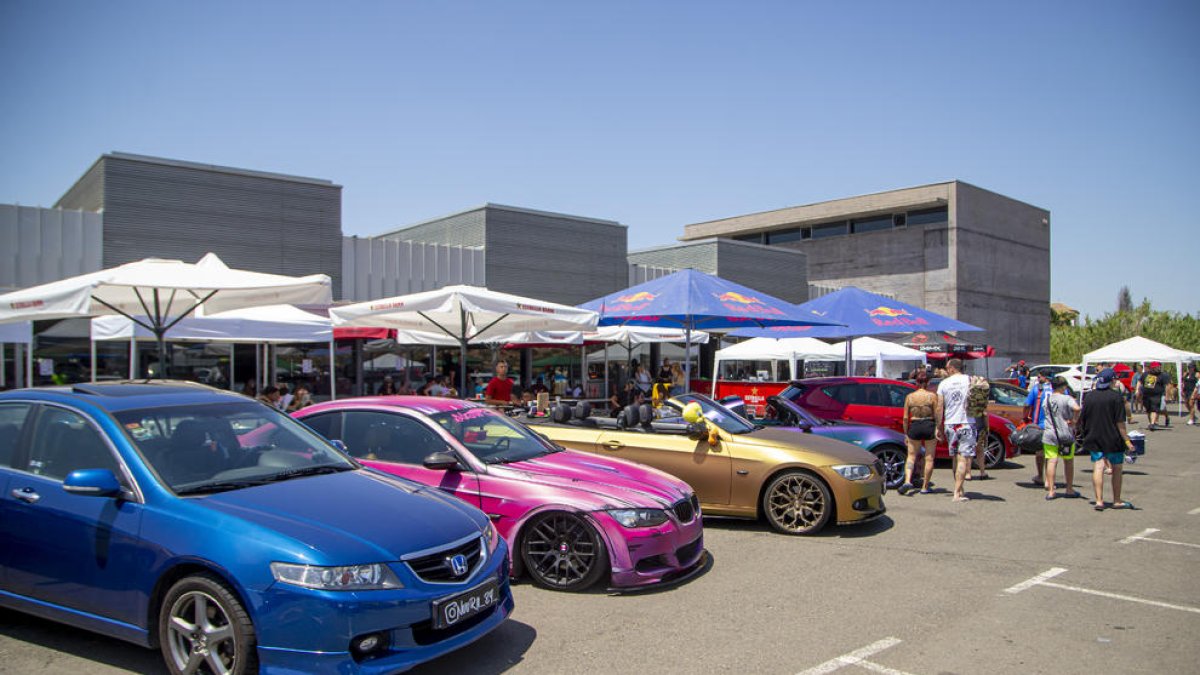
1154, 385
1035, 413
1058, 438
1102, 435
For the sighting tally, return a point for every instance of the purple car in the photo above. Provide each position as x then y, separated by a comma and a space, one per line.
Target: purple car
571, 518
888, 445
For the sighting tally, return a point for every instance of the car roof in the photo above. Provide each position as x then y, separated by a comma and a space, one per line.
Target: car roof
842, 379
429, 405
129, 395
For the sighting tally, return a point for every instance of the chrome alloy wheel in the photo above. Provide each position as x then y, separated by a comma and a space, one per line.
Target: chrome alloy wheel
201, 637
797, 503
893, 460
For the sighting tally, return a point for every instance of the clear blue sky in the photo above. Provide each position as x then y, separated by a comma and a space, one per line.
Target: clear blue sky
655, 114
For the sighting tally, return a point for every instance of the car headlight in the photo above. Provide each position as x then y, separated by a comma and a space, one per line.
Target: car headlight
1012, 428
853, 471
373, 577
639, 517
491, 537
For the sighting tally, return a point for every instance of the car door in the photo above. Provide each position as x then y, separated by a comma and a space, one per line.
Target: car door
76, 551
707, 468
864, 402
397, 443
893, 397
12, 427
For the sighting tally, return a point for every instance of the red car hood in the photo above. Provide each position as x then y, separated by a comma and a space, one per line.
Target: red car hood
612, 482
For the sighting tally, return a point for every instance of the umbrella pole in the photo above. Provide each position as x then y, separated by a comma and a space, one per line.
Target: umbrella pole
607, 395
462, 368
687, 358
332, 369
164, 371
93, 341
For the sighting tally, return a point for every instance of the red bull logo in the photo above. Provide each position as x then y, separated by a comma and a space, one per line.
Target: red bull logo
641, 296
887, 312
733, 296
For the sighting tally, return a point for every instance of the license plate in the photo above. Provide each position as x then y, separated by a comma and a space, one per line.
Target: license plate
455, 609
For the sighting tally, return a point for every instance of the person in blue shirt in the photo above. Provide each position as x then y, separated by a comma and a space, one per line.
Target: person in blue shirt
1035, 412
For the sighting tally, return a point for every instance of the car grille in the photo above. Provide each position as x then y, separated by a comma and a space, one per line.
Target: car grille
688, 552
436, 567
686, 509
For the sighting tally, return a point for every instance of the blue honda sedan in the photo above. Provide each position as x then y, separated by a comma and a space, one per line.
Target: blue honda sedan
231, 537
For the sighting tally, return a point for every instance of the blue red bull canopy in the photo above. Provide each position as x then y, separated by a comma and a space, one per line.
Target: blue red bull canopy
861, 313
694, 300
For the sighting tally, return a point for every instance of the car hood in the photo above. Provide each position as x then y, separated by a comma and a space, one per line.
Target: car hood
821, 451
866, 435
601, 480
351, 517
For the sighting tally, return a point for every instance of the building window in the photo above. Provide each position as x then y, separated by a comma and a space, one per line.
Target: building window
858, 226
935, 216
829, 230
898, 220
784, 236
756, 238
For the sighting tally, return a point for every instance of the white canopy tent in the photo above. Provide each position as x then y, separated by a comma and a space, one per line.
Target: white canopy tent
884, 354
269, 324
1138, 349
792, 350
468, 314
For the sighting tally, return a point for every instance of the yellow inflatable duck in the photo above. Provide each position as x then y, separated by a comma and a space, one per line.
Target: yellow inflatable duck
693, 414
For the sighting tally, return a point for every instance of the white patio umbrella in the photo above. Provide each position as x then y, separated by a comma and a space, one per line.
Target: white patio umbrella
157, 293
469, 314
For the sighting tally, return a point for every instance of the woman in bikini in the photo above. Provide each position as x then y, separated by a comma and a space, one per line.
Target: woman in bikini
920, 428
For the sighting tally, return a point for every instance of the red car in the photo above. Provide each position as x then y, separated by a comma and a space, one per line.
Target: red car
880, 402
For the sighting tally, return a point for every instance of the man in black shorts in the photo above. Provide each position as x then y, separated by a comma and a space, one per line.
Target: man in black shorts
1102, 430
1154, 385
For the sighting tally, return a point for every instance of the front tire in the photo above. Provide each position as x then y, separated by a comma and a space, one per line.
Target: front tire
797, 502
203, 629
893, 459
563, 552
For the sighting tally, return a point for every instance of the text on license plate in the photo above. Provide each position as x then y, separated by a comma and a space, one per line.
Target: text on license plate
455, 609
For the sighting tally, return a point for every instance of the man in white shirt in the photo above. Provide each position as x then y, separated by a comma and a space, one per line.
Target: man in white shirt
954, 425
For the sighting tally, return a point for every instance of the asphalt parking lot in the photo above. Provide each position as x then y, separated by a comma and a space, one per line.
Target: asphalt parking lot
1007, 582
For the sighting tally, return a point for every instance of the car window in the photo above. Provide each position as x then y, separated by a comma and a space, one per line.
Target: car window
326, 424
12, 423
1007, 396
844, 393
389, 437
492, 437
894, 395
65, 441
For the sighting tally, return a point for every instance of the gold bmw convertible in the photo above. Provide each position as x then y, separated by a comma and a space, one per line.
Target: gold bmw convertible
798, 481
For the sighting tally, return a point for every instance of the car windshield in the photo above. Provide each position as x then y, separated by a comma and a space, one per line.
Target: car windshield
801, 414
227, 446
716, 413
493, 437
1008, 395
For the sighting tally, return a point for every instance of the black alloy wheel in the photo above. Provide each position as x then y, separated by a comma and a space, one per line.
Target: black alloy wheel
797, 502
203, 629
563, 552
893, 458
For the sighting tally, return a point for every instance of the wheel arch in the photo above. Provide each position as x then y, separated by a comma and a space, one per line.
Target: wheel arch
518, 534
792, 468
181, 570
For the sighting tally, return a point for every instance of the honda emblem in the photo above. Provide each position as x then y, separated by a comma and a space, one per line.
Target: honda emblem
458, 565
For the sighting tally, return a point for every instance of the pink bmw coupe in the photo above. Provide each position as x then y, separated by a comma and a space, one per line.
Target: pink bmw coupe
570, 518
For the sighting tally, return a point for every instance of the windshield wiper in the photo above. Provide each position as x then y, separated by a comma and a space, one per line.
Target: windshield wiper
221, 486
309, 471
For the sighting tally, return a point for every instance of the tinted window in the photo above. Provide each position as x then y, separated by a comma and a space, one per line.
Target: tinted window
895, 395
389, 437
492, 437
64, 441
326, 424
784, 236
927, 216
828, 230
843, 393
1007, 396
12, 422
872, 224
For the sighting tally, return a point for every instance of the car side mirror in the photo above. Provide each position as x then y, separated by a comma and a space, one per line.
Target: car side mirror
441, 461
337, 443
92, 483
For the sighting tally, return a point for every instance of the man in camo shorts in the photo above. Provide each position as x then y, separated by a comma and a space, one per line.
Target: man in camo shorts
954, 425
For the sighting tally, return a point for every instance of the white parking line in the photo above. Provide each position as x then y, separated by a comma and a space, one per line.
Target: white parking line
858, 657
1034, 581
1143, 536
1140, 535
1041, 580
1194, 512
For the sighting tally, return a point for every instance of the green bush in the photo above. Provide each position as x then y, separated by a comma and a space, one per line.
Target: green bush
1069, 343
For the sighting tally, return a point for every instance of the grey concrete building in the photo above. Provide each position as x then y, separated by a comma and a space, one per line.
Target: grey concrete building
953, 248
253, 219
553, 256
782, 272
